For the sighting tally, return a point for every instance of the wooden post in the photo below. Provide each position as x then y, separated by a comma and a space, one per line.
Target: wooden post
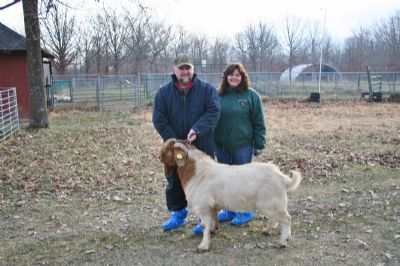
98, 92
369, 85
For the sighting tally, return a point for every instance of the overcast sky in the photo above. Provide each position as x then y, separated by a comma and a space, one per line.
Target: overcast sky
228, 17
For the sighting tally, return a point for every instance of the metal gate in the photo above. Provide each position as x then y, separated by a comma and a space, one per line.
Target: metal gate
9, 121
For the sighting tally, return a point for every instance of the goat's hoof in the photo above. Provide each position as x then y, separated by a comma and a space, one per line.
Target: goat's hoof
214, 231
282, 244
201, 250
266, 233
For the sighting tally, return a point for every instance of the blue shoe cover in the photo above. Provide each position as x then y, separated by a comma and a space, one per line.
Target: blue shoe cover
224, 216
198, 230
177, 219
242, 218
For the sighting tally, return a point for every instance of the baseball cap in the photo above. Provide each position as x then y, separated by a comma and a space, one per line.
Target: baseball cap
183, 60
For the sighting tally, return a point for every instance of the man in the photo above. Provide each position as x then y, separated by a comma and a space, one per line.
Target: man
185, 108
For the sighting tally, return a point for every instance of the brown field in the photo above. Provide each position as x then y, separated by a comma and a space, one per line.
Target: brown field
90, 191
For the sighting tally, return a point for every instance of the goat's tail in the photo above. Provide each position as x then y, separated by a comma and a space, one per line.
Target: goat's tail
294, 182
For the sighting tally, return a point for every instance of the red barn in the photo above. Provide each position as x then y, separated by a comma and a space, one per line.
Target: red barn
14, 67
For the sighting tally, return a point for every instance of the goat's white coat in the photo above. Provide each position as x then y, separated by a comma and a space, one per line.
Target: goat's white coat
249, 187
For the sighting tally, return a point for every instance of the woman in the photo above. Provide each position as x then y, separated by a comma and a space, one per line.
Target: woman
240, 131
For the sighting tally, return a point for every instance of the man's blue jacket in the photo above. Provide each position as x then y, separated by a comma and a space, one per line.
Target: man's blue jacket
174, 113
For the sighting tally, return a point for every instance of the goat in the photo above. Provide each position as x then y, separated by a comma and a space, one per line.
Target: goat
210, 186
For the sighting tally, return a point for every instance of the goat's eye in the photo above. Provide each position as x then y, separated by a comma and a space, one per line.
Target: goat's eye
179, 156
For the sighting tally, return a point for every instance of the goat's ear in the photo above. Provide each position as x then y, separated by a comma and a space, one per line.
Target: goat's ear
180, 153
168, 170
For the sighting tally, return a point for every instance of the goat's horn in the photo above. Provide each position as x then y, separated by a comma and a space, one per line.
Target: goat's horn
169, 142
181, 145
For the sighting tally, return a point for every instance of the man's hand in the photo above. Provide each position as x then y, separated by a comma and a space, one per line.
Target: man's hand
191, 136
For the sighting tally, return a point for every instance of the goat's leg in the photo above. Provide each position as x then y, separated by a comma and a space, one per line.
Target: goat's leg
272, 220
272, 224
285, 220
214, 226
206, 220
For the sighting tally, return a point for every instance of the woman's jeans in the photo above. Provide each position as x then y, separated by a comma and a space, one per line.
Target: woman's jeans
235, 156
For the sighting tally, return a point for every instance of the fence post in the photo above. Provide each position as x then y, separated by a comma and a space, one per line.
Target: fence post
146, 87
137, 91
98, 92
102, 87
71, 88
369, 84
335, 76
120, 81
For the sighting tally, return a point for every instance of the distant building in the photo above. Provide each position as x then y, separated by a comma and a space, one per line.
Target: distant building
310, 72
14, 67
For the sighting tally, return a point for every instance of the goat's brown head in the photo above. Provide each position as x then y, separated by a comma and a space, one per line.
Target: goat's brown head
167, 156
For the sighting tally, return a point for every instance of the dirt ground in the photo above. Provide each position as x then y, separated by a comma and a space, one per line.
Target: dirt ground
90, 191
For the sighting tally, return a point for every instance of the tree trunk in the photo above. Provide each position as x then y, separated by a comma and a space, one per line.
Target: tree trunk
37, 94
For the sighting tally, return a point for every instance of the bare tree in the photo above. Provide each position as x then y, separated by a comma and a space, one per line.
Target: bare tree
86, 48
330, 50
359, 50
293, 38
98, 42
336, 57
137, 41
387, 35
59, 37
160, 37
313, 41
199, 47
9, 4
258, 44
181, 42
37, 94
116, 33
268, 43
246, 44
219, 54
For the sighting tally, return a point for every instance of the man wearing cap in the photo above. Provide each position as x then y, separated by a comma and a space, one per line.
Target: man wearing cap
185, 108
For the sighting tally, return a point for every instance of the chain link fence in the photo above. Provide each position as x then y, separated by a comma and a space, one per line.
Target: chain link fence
118, 92
9, 121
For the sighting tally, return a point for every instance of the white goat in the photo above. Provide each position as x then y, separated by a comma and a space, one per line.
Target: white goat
210, 186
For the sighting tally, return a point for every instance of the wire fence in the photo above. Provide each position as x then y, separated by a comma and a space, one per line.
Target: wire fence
9, 121
116, 92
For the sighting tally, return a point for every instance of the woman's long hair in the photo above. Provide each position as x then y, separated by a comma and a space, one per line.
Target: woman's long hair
244, 83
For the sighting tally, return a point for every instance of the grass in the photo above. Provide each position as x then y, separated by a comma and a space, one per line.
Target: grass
90, 191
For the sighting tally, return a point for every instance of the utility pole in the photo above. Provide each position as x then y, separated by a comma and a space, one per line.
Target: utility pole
322, 49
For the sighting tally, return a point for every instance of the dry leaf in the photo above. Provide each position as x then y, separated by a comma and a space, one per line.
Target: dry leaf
90, 251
